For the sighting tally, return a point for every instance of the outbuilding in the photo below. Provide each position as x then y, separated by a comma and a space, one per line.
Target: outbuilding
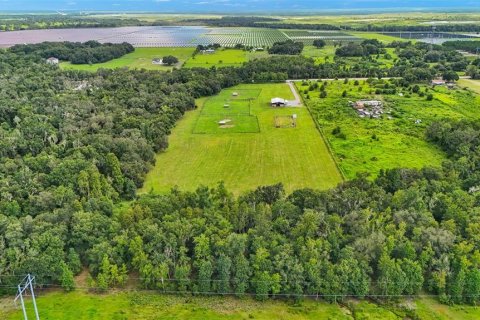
278, 102
52, 60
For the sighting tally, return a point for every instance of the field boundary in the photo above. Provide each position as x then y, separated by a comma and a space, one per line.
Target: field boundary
327, 142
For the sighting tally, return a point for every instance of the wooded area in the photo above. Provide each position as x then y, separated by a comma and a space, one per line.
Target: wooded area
74, 147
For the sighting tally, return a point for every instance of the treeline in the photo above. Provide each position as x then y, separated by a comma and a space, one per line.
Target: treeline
469, 46
461, 27
33, 22
405, 232
258, 22
77, 53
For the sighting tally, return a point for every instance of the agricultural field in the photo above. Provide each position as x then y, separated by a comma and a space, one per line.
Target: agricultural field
297, 157
397, 139
141, 58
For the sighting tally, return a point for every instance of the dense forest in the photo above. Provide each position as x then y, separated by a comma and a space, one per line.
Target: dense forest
76, 52
75, 146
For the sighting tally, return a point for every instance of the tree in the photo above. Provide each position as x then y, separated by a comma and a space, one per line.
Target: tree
450, 76
224, 264
319, 43
392, 280
170, 60
67, 281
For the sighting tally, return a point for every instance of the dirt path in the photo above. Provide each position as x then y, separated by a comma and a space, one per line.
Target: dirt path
298, 101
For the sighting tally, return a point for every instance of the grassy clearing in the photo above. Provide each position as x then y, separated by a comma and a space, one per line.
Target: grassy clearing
224, 58
473, 85
380, 37
430, 309
140, 58
373, 144
142, 306
221, 58
80, 305
326, 54
298, 157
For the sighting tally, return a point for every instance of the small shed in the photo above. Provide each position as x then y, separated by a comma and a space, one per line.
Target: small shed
157, 61
52, 60
438, 82
208, 51
278, 102
235, 94
224, 122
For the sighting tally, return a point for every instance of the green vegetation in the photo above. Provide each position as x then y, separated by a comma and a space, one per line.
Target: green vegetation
368, 145
295, 156
145, 305
220, 58
141, 58
378, 36
473, 85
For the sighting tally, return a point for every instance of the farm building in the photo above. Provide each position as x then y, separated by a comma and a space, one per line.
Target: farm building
235, 94
438, 82
208, 51
278, 102
157, 61
52, 60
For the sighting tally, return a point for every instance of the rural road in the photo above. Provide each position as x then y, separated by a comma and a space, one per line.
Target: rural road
330, 79
298, 101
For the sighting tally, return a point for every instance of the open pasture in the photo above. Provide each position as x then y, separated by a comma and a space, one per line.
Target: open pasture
397, 139
297, 157
308, 36
223, 58
141, 58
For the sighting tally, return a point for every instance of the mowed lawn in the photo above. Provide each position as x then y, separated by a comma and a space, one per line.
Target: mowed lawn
297, 157
140, 58
220, 58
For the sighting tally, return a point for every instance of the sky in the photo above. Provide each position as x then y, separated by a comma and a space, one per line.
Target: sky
232, 6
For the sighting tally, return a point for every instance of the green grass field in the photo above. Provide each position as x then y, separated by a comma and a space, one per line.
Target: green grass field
140, 58
221, 58
297, 157
373, 144
380, 37
80, 305
473, 85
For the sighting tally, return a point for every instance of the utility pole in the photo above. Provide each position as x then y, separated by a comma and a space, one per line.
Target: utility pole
27, 284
